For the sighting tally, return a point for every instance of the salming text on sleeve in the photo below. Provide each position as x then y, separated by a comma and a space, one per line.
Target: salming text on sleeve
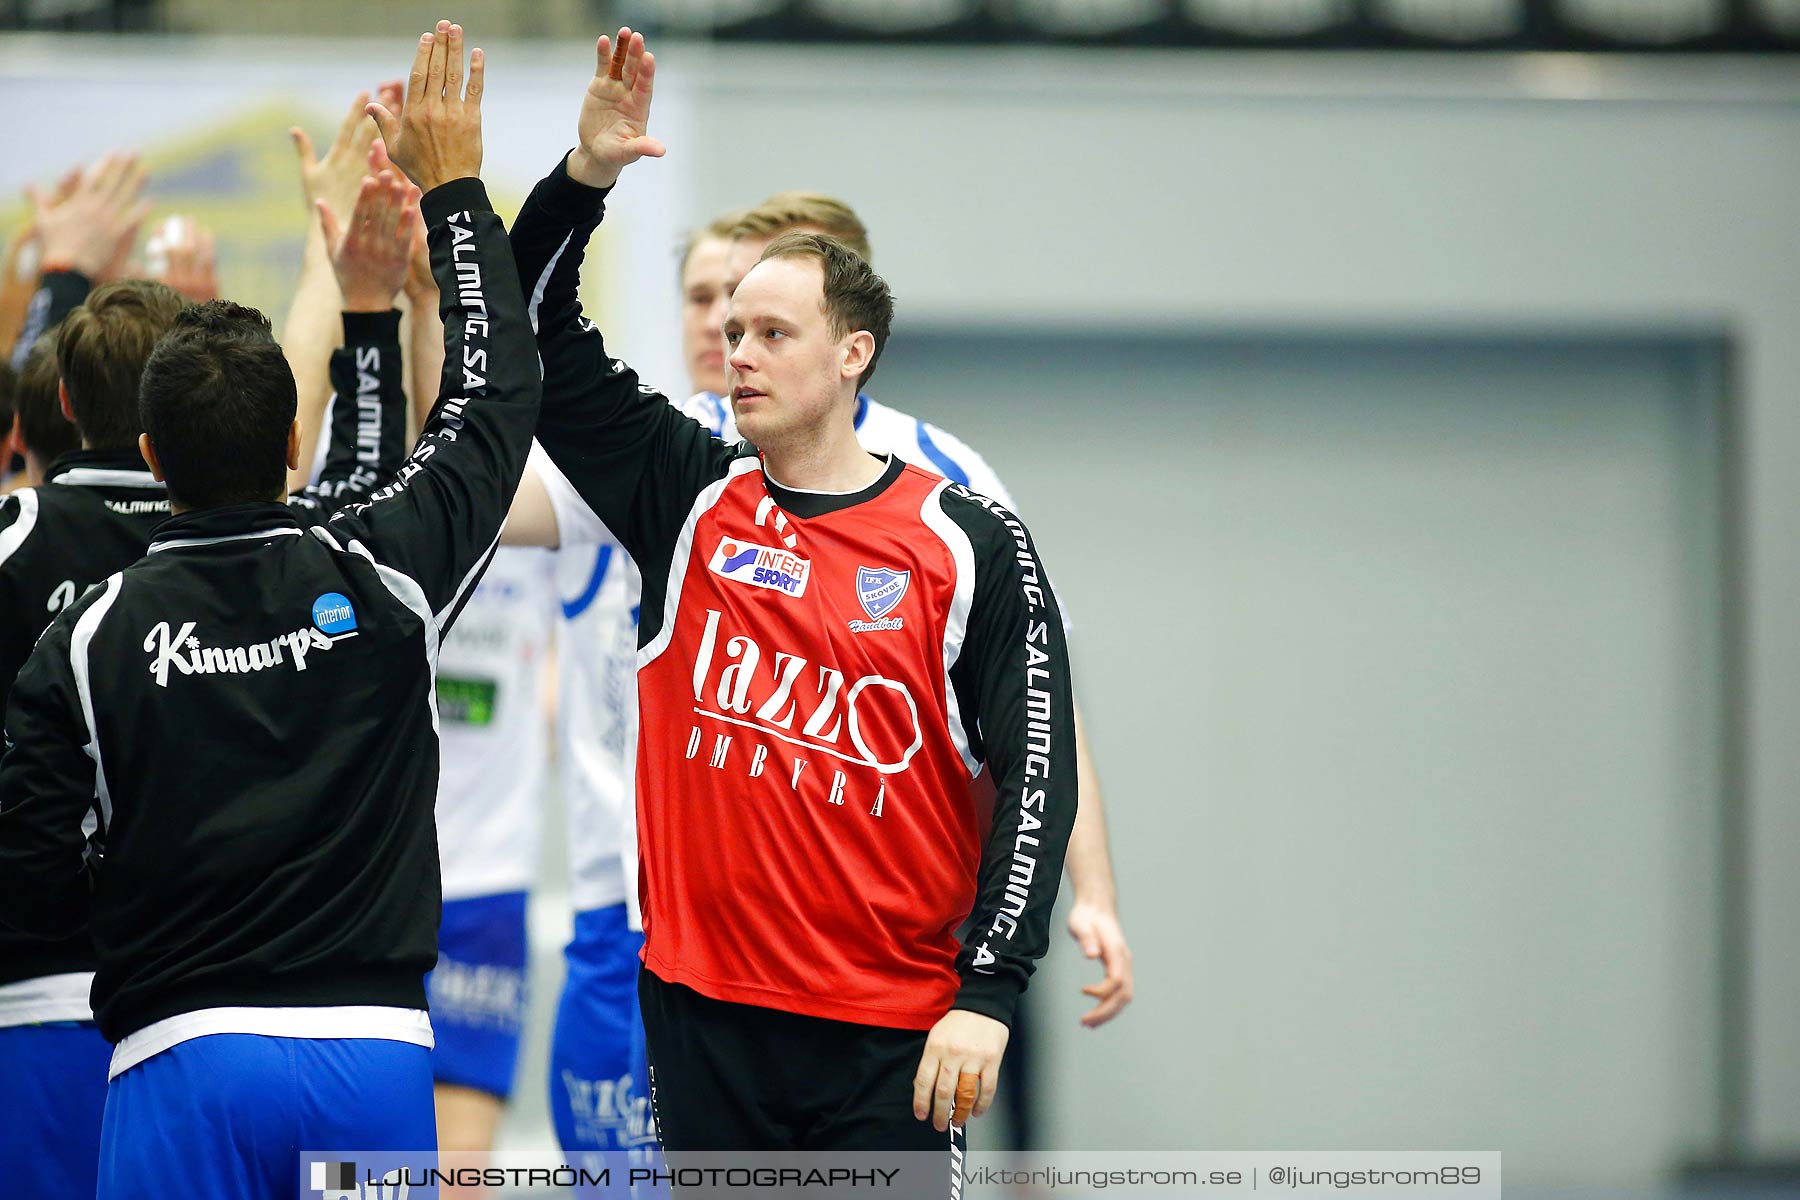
438, 522
365, 440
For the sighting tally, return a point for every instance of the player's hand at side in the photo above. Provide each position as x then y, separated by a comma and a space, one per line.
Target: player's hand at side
437, 136
960, 1070
371, 255
615, 112
1097, 930
92, 226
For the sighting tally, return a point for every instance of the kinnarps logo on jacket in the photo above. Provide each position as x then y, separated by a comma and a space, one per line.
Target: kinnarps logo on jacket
333, 620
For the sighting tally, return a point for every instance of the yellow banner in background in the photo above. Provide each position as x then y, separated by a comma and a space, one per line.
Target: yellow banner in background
239, 178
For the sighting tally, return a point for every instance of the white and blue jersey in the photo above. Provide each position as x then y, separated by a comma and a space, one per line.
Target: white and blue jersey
597, 589
493, 739
596, 1103
494, 746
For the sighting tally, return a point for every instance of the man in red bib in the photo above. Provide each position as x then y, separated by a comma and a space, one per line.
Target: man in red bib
833, 647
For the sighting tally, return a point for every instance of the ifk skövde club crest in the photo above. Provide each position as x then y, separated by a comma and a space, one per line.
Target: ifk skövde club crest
880, 589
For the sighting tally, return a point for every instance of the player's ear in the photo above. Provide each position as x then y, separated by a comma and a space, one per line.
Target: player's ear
293, 446
149, 453
62, 398
859, 349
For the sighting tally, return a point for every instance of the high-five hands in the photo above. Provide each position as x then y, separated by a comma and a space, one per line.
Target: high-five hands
421, 287
615, 112
90, 222
372, 254
337, 176
437, 136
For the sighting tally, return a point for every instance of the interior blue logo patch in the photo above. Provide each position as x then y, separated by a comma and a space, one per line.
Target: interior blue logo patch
332, 613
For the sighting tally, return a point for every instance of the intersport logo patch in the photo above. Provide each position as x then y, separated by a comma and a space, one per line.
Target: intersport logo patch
761, 566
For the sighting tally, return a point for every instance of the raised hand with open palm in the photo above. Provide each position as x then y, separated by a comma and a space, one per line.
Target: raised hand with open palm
615, 112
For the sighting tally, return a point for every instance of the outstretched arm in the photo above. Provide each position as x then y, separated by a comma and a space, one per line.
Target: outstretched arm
86, 229
309, 334
369, 258
312, 330
436, 525
19, 276
424, 329
633, 459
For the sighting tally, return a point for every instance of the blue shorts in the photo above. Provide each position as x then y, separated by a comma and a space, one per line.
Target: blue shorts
227, 1115
53, 1080
477, 992
596, 1100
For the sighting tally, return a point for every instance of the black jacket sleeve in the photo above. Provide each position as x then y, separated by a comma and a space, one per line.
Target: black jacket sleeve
633, 458
1013, 675
47, 787
18, 521
438, 522
367, 439
59, 293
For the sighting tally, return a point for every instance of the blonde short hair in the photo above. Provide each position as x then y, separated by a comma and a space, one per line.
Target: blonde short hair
720, 227
786, 211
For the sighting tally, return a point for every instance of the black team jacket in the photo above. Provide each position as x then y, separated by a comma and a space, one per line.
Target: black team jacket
92, 516
223, 759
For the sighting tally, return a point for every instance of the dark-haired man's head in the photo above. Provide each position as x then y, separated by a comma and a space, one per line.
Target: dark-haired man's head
46, 433
217, 402
101, 349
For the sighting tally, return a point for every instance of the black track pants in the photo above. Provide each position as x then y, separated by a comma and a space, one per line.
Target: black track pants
737, 1077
